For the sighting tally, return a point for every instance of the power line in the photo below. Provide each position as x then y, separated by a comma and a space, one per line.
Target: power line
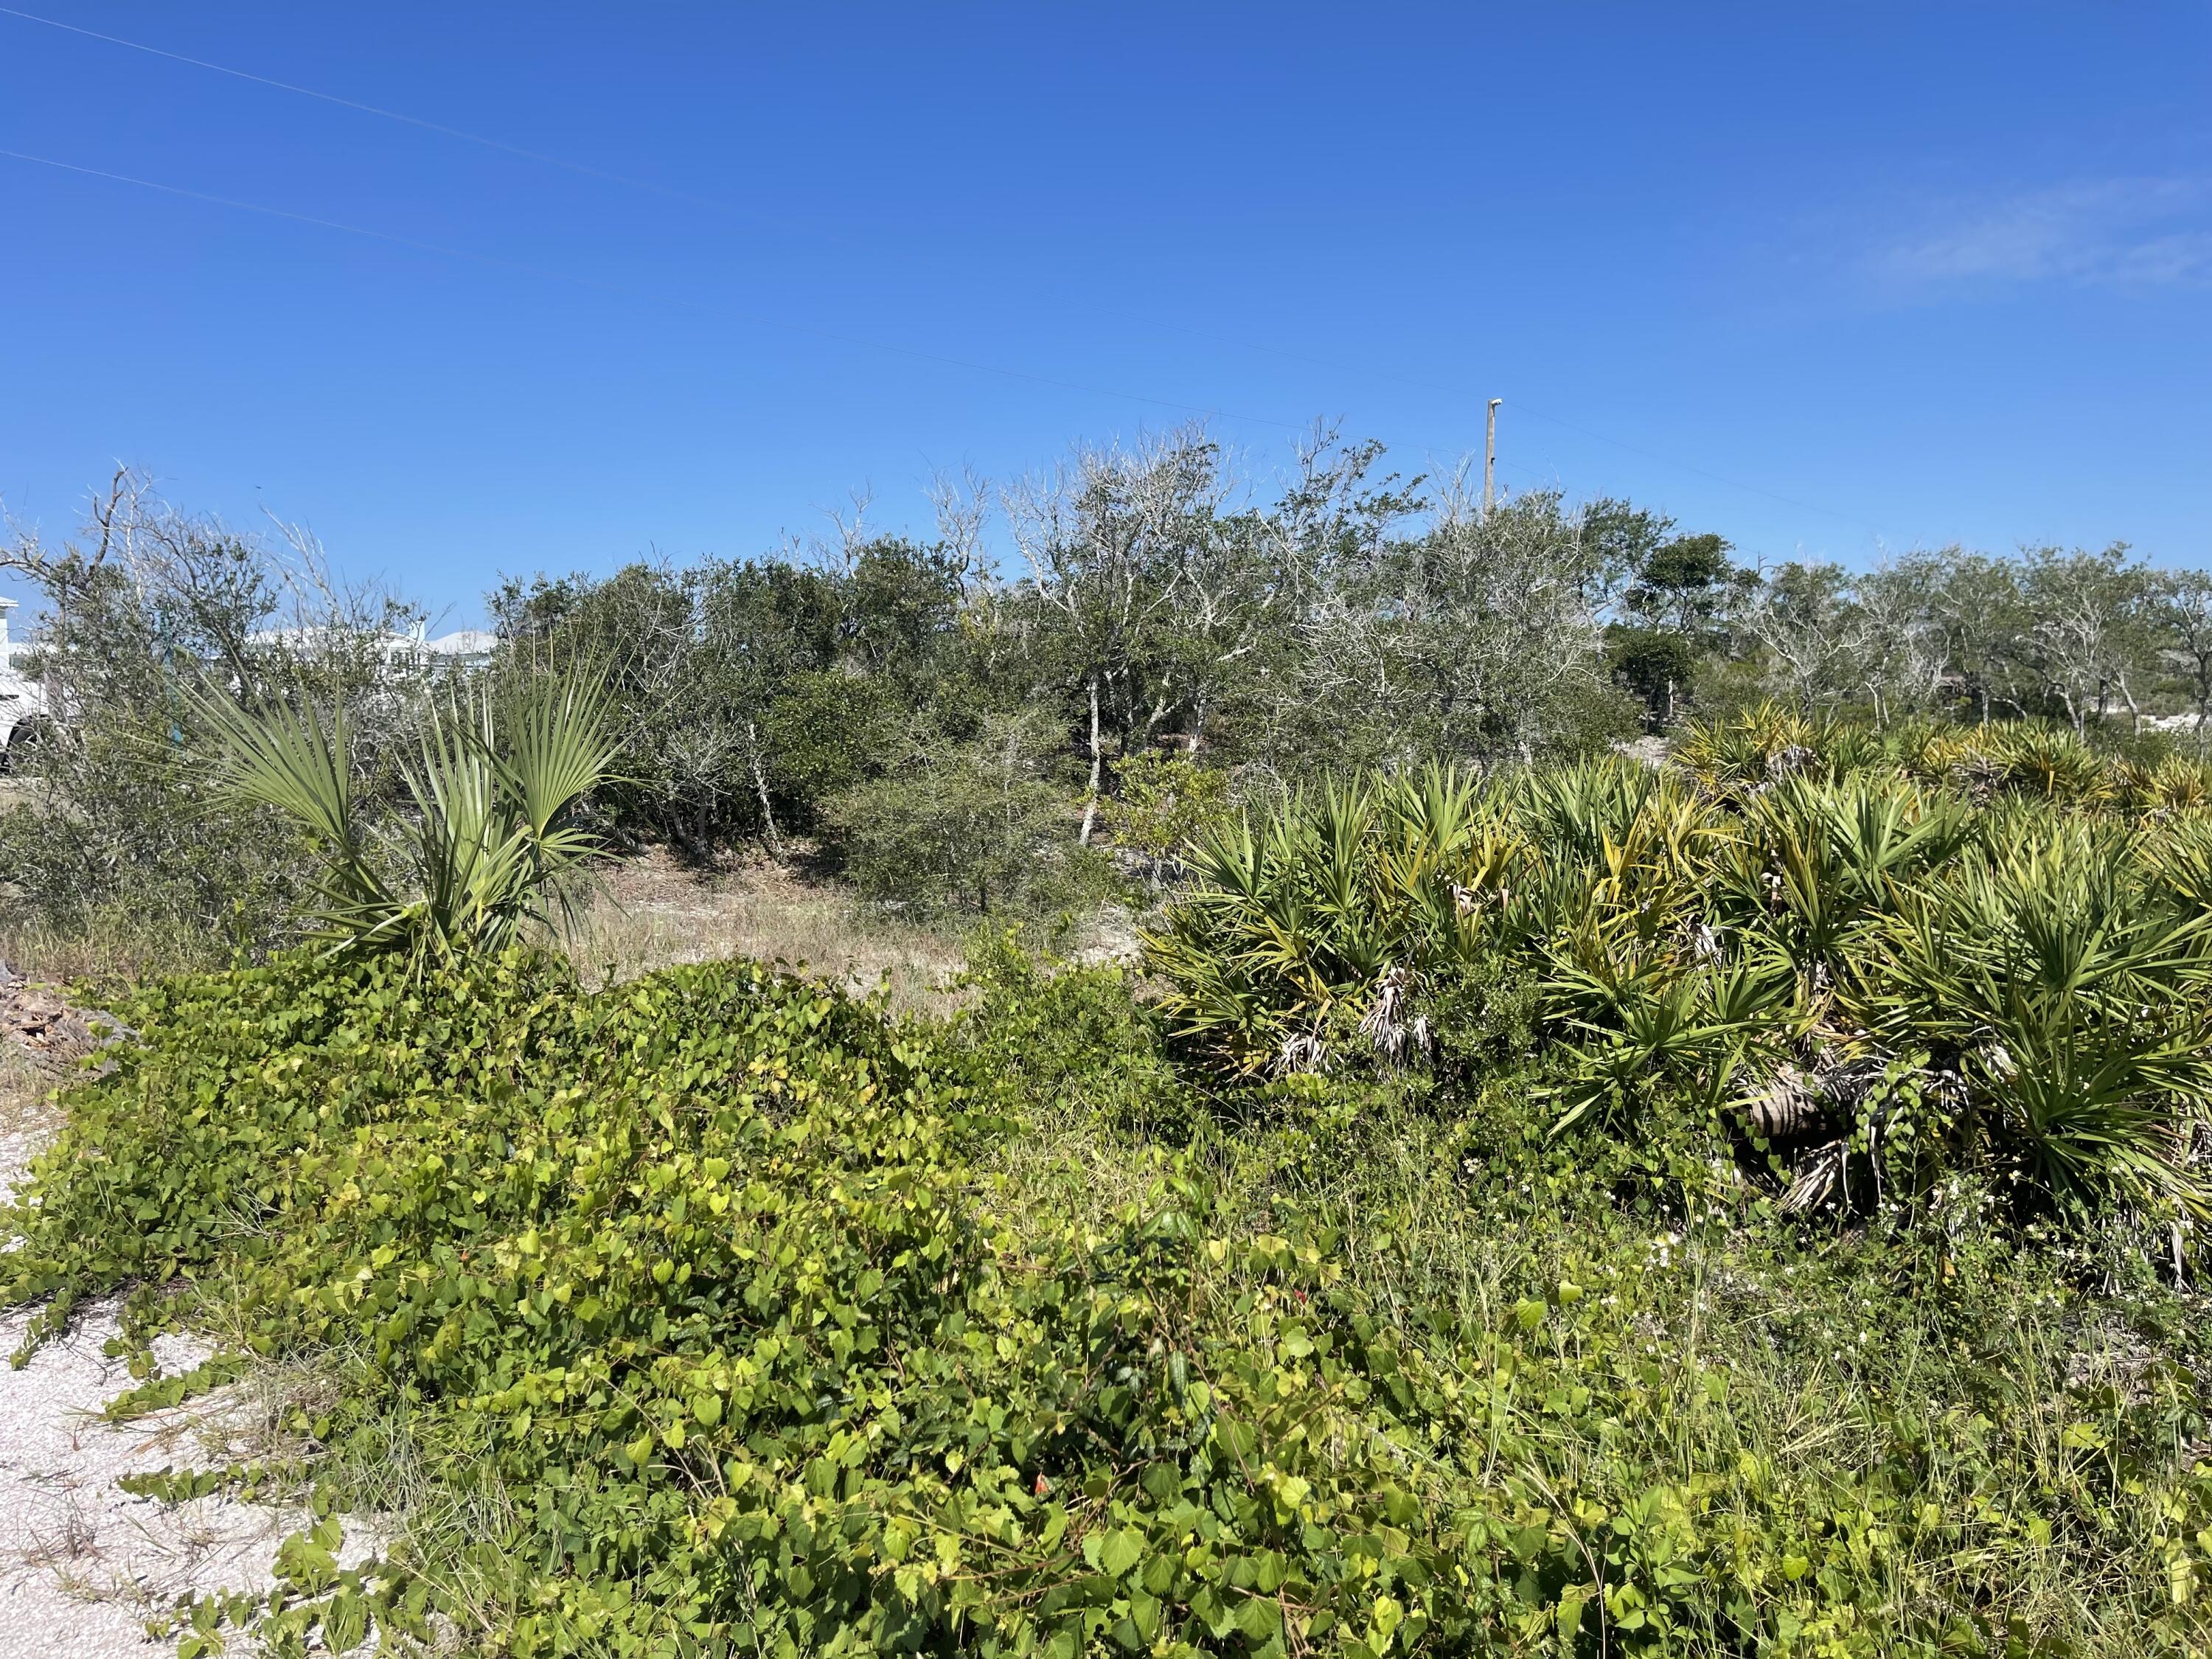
465, 136
550, 274
609, 177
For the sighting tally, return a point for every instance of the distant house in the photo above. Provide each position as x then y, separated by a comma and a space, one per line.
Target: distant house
470, 647
23, 700
23, 706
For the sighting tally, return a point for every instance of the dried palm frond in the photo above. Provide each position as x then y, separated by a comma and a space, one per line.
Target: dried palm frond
1789, 760
1816, 1179
1383, 1024
1423, 1037
1785, 1106
1302, 1053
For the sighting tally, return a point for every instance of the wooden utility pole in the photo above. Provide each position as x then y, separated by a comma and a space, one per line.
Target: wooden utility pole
1489, 458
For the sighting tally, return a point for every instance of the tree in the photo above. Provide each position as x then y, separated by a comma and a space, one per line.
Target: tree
1116, 541
1812, 630
1976, 606
2182, 606
1903, 659
140, 609
1473, 635
750, 690
1685, 584
1654, 664
1680, 593
2088, 634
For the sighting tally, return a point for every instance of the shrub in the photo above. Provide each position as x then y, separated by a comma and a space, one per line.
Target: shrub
703, 1280
494, 788
1164, 799
1291, 924
125, 849
1064, 1040
2066, 999
965, 826
1838, 964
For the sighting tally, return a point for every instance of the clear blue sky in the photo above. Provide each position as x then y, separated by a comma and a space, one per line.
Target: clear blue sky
1931, 273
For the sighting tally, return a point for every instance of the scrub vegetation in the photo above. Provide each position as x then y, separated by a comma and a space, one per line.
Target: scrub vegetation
1515, 1197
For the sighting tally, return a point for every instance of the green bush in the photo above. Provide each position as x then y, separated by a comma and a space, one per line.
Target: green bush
1886, 957
125, 848
1068, 1040
496, 785
1162, 801
967, 826
722, 1296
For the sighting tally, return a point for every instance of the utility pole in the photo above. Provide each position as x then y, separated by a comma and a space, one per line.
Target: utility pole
1489, 458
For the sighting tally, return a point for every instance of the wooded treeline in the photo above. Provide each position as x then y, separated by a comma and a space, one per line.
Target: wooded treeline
1154, 632
1154, 608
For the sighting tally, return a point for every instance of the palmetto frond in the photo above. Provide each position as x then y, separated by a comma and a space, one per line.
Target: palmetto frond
491, 844
2020, 975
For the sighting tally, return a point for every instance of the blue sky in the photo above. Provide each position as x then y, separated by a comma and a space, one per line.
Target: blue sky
1826, 280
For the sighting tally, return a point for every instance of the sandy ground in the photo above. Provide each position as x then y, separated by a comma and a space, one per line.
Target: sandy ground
82, 1564
649, 911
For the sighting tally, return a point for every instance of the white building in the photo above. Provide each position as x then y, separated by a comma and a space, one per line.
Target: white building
22, 701
472, 648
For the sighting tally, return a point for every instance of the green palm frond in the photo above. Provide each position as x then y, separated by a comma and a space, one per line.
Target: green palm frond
492, 844
2015, 976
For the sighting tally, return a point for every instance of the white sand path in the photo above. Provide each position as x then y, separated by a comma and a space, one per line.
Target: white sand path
83, 1565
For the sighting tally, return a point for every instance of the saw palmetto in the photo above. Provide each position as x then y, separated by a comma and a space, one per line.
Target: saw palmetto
490, 841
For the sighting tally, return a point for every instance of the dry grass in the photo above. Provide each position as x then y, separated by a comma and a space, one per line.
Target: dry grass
26, 1096
648, 912
115, 949
651, 913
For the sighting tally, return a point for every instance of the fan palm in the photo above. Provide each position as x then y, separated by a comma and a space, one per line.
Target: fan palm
2071, 997
493, 845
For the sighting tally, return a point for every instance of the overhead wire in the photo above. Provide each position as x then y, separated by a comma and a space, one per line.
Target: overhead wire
629, 181
551, 274
648, 297
377, 109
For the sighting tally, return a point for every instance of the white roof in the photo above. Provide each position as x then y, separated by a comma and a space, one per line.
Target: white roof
468, 643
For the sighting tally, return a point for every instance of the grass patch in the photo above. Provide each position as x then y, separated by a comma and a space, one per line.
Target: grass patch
110, 947
651, 913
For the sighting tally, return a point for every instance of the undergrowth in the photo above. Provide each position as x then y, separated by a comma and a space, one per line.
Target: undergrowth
715, 1313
